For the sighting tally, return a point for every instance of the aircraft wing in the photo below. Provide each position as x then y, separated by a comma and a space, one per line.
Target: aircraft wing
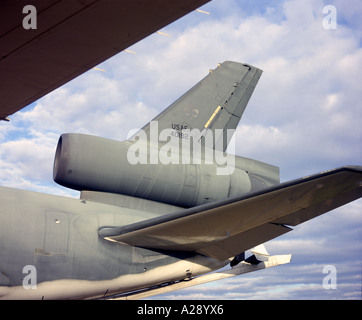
226, 228
70, 38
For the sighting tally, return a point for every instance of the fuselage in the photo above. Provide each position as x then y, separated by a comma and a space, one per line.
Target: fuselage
50, 249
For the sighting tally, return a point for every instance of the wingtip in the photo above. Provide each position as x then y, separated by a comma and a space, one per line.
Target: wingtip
355, 168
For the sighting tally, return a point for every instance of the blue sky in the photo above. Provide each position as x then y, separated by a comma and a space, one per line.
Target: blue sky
304, 116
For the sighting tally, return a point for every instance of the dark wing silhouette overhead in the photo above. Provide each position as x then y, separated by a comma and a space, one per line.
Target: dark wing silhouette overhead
70, 38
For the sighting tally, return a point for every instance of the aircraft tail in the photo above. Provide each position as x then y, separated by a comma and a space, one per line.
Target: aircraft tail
212, 106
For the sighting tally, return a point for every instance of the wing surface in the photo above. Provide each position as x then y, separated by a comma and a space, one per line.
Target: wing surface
70, 38
225, 228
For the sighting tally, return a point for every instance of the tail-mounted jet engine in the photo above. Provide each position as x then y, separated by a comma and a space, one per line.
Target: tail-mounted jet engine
84, 162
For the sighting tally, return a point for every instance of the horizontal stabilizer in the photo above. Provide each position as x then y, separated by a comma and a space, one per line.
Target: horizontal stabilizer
260, 253
241, 268
223, 229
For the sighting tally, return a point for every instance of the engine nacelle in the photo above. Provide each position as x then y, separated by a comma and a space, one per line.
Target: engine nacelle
85, 162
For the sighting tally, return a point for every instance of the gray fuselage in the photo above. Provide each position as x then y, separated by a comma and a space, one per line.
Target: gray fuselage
59, 237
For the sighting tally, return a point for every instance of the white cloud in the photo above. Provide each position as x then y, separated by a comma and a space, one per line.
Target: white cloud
24, 156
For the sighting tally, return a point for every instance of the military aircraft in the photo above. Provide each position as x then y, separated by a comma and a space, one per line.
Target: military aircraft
161, 210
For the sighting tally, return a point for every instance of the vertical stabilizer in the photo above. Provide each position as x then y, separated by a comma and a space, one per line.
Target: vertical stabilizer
211, 107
